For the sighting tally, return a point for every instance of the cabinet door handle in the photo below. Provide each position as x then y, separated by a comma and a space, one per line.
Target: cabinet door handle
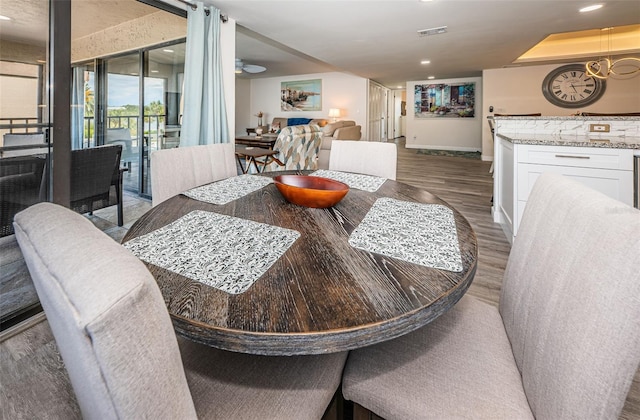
573, 157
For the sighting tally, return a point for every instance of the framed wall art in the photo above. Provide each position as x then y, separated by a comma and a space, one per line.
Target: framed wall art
302, 95
449, 100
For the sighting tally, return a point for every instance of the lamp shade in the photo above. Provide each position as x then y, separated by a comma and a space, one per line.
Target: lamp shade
334, 112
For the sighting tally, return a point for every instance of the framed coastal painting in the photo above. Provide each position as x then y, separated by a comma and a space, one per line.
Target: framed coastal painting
448, 100
302, 95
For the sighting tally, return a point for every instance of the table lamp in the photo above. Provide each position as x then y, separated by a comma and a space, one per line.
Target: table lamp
334, 113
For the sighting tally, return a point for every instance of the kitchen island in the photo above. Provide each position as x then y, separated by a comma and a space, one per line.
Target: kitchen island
597, 151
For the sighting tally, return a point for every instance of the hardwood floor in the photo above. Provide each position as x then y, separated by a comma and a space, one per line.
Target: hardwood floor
34, 384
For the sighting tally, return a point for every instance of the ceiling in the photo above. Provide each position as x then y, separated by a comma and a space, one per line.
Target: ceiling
374, 39
378, 40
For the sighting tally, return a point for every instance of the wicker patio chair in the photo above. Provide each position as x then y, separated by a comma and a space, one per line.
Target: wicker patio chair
21, 185
96, 179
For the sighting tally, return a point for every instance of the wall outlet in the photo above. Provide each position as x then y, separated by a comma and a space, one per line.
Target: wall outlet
599, 128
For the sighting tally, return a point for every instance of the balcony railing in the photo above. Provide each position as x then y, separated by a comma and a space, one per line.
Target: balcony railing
152, 128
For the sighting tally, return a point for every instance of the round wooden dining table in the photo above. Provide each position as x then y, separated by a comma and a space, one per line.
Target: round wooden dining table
322, 295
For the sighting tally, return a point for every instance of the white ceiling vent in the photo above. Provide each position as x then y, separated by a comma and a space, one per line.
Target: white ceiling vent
432, 31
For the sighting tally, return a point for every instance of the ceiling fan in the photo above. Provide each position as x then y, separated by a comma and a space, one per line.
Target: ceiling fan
249, 68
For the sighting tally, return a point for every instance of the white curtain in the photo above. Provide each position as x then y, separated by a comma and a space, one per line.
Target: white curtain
77, 108
205, 114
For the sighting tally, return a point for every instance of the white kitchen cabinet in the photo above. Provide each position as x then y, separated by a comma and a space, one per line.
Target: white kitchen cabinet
518, 166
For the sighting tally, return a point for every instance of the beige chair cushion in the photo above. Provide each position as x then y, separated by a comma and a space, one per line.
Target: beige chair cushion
458, 367
227, 385
176, 170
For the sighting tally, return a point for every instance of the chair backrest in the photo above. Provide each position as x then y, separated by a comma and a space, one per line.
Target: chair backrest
23, 182
492, 126
364, 157
107, 315
92, 172
36, 140
298, 147
176, 170
570, 300
116, 134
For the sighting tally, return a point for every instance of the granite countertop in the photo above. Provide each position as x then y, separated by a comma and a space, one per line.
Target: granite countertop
568, 118
572, 140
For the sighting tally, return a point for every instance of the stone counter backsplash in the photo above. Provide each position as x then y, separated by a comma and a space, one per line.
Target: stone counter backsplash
569, 126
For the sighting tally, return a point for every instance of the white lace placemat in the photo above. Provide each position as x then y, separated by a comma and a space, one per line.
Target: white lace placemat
221, 251
227, 190
359, 181
423, 234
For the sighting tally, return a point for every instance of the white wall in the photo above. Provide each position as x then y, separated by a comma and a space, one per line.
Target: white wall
519, 91
339, 90
463, 134
243, 103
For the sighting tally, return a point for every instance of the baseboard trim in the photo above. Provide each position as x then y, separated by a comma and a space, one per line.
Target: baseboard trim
22, 326
451, 148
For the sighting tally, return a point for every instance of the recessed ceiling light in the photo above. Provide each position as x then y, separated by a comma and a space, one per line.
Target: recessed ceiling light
154, 71
425, 62
591, 8
399, 87
433, 31
431, 77
168, 50
4, 17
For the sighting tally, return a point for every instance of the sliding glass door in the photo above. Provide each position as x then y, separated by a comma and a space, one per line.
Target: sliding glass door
117, 106
25, 152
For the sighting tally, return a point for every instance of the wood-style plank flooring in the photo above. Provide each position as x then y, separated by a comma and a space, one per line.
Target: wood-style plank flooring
34, 384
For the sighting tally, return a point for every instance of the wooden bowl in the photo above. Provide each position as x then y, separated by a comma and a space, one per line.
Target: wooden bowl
311, 191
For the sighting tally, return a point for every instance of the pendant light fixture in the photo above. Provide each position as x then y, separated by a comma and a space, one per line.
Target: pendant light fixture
604, 67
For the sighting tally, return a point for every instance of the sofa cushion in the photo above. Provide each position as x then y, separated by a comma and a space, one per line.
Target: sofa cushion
331, 127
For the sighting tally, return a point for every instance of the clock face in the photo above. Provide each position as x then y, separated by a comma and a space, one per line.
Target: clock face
571, 87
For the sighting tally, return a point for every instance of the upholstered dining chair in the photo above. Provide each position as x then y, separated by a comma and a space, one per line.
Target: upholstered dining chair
564, 342
364, 157
117, 341
298, 147
176, 170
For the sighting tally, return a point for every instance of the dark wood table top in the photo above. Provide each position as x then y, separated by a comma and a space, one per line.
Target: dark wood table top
257, 141
322, 295
254, 151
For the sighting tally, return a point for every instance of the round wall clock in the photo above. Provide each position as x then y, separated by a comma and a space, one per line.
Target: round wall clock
571, 87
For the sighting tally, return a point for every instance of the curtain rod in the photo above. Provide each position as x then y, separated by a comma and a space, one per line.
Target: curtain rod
223, 18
